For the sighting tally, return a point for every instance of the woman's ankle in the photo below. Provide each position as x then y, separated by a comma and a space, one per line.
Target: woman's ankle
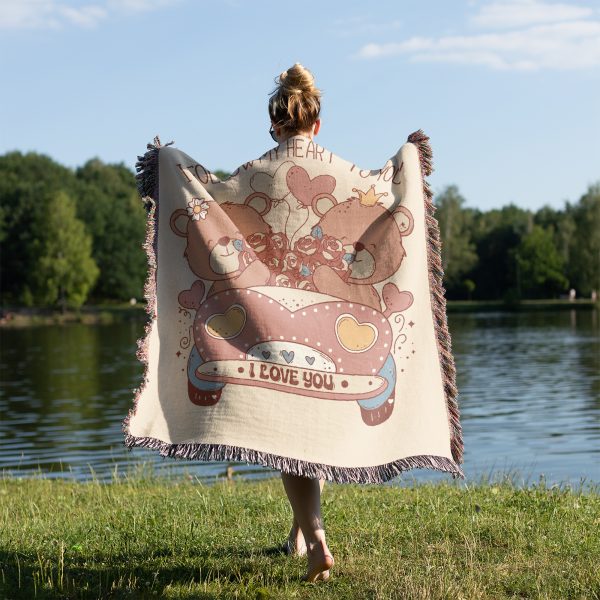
316, 541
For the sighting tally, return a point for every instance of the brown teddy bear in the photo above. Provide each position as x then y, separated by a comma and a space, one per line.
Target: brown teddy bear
217, 249
365, 223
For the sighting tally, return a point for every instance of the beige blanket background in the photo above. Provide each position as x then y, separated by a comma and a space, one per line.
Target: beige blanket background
297, 317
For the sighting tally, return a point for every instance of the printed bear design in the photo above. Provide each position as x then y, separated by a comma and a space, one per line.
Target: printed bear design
217, 249
377, 239
326, 349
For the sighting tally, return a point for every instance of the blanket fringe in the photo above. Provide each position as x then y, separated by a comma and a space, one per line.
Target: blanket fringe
148, 187
147, 172
436, 273
224, 452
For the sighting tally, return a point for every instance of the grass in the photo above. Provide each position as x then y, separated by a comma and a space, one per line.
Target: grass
148, 536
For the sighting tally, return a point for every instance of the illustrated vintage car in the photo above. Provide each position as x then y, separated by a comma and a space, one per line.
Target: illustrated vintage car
293, 341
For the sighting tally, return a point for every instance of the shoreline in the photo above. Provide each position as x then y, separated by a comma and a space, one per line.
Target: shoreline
103, 314
93, 314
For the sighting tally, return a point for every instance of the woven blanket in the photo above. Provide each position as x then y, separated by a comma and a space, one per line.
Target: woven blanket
296, 315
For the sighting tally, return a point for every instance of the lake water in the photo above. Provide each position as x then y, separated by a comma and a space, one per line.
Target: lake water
529, 394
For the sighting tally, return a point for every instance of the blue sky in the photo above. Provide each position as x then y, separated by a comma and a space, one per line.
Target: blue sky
507, 90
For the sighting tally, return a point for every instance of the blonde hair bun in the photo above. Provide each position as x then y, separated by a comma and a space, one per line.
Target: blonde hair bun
295, 103
298, 80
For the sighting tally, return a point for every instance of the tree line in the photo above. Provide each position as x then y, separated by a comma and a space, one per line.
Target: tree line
74, 236
514, 253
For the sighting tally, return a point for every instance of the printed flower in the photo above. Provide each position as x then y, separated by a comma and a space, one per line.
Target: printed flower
331, 248
257, 241
197, 208
272, 262
307, 245
279, 242
283, 280
290, 262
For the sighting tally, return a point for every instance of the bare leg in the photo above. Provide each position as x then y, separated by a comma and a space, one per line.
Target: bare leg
305, 497
297, 544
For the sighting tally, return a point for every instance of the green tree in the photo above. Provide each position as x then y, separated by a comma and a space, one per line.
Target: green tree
540, 266
106, 200
25, 180
584, 250
110, 206
65, 270
561, 225
497, 232
458, 251
469, 286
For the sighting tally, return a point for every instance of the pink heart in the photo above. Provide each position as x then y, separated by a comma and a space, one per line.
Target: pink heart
395, 300
306, 189
269, 184
279, 325
262, 182
193, 297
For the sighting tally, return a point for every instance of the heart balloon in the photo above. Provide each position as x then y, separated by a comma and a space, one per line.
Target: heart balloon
395, 300
193, 297
306, 189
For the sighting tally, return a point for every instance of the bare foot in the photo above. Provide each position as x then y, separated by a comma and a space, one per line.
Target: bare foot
295, 544
320, 560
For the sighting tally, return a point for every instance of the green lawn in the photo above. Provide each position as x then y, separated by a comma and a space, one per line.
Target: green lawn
147, 537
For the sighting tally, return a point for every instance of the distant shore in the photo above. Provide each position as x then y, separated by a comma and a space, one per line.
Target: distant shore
15, 316
523, 305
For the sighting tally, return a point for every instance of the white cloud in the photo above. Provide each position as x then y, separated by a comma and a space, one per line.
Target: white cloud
138, 5
86, 16
55, 14
519, 13
556, 39
47, 14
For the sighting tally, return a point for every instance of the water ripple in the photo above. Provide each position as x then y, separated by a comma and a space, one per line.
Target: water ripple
529, 394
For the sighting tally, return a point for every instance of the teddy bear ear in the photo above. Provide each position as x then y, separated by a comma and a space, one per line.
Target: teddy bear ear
323, 204
260, 202
404, 219
180, 212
